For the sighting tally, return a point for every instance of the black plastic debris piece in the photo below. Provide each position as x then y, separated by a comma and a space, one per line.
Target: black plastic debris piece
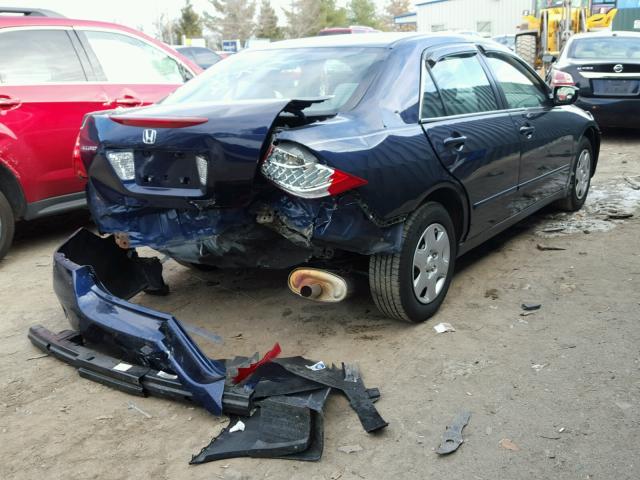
289, 427
452, 436
346, 379
281, 403
129, 378
528, 307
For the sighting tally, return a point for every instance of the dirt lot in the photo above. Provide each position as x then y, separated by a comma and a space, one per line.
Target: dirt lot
563, 384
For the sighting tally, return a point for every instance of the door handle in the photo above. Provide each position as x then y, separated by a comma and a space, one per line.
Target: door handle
527, 130
456, 142
128, 101
8, 102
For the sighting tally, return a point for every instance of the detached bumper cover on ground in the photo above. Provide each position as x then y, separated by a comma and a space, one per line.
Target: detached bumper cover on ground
88, 272
144, 352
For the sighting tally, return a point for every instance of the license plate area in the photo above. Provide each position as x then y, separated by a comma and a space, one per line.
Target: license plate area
616, 87
167, 169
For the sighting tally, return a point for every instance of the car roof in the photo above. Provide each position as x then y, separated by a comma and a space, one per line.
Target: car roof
621, 33
7, 21
387, 39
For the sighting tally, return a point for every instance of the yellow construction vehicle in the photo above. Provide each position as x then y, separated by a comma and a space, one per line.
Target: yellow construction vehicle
547, 27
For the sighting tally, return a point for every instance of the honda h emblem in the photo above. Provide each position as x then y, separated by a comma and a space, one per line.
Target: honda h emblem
618, 68
149, 136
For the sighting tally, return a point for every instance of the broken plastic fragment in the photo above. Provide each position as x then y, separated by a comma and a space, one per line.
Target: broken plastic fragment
244, 372
317, 366
452, 436
444, 327
238, 427
531, 306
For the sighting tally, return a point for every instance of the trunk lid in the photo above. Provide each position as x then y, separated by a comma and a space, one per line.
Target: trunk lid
168, 141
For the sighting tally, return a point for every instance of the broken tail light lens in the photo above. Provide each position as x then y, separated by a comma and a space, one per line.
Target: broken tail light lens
123, 164
298, 172
560, 78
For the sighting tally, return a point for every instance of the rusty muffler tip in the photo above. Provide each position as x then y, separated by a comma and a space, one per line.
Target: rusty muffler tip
319, 285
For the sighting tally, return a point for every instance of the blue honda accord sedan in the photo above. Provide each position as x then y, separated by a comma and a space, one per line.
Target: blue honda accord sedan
408, 149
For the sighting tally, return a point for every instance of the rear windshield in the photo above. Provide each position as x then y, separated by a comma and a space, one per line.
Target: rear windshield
341, 74
605, 48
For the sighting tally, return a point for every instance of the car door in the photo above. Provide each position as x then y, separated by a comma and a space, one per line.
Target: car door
474, 139
133, 71
546, 141
44, 93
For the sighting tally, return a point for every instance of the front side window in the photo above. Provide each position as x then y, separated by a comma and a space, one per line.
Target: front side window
125, 59
520, 87
463, 85
30, 57
339, 74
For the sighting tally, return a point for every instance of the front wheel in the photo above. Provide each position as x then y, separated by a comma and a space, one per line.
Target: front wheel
411, 285
7, 225
580, 179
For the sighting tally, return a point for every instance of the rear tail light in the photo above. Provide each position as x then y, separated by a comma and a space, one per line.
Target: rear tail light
296, 171
123, 163
84, 149
78, 166
561, 79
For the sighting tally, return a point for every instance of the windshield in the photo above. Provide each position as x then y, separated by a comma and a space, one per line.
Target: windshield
605, 48
341, 74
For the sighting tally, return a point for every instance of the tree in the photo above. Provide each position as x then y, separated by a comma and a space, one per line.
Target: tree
190, 23
166, 29
268, 22
393, 9
302, 19
233, 19
363, 12
307, 17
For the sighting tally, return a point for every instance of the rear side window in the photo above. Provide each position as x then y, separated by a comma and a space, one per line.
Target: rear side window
520, 87
128, 60
38, 56
463, 85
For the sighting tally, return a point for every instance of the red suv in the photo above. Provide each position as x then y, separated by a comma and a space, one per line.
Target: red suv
53, 71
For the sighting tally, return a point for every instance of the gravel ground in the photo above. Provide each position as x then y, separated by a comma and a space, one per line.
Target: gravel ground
562, 385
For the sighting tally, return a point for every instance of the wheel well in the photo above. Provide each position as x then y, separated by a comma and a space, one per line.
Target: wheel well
12, 190
593, 136
453, 204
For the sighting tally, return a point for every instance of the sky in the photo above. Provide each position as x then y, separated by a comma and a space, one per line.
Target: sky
139, 14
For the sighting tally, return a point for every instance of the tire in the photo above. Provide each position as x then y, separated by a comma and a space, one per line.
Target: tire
392, 276
7, 225
526, 48
580, 179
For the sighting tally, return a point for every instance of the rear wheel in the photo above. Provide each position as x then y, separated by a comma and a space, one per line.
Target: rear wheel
580, 179
7, 225
526, 46
411, 285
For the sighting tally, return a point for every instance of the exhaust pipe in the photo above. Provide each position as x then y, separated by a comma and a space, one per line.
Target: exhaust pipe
319, 285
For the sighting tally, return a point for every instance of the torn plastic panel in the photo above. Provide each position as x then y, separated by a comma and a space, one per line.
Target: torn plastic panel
133, 332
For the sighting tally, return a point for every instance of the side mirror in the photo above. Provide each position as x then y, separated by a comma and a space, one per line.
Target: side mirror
565, 95
548, 58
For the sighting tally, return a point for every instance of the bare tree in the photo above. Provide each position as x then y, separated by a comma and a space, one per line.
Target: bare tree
233, 19
395, 8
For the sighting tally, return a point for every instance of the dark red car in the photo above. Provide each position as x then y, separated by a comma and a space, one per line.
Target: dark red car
52, 72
